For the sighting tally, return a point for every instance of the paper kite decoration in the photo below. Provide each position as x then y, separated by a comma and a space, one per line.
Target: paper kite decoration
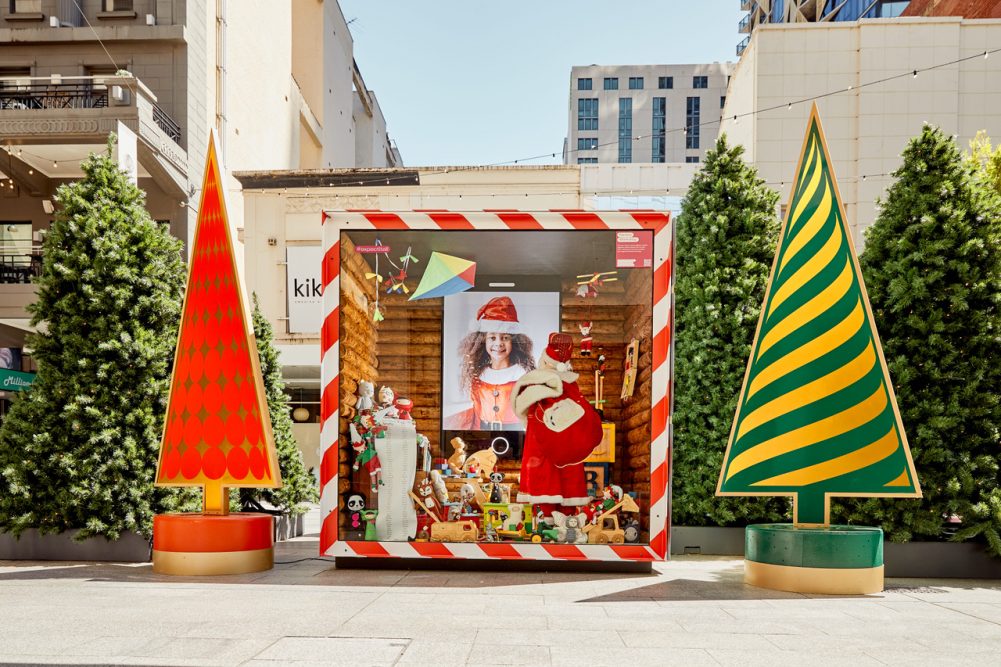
217, 433
445, 275
817, 416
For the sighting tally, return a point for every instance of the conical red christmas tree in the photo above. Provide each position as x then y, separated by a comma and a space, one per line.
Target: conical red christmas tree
217, 432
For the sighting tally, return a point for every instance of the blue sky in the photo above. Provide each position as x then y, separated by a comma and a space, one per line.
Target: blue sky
474, 82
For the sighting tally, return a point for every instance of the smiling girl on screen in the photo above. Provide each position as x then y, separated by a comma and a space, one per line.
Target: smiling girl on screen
494, 355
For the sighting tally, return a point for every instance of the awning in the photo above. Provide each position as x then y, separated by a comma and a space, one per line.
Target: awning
13, 332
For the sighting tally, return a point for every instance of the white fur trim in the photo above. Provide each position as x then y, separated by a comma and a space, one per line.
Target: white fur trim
501, 375
533, 387
495, 326
554, 500
562, 368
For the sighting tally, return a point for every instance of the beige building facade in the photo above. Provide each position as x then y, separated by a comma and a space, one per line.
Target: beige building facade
276, 81
867, 126
644, 113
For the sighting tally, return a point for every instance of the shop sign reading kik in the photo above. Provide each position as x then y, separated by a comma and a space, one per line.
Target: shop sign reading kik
15, 380
303, 285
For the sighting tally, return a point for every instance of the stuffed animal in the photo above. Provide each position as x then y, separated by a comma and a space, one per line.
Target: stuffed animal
496, 492
386, 397
570, 528
403, 407
355, 504
366, 394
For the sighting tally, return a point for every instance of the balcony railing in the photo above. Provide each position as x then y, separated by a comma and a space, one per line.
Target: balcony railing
60, 96
19, 264
745, 24
167, 124
743, 45
745, 5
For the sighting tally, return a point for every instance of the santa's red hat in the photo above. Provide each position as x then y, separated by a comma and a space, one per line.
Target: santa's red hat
498, 315
557, 353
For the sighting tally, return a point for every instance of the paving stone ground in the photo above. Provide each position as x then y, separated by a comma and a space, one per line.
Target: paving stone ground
690, 611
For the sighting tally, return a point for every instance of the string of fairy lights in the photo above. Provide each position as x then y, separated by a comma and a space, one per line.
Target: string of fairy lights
407, 179
788, 105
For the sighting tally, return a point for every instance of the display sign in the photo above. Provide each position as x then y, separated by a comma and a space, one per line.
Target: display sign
633, 250
304, 288
15, 380
817, 416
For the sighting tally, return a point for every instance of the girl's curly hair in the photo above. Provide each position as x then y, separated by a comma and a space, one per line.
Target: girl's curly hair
473, 350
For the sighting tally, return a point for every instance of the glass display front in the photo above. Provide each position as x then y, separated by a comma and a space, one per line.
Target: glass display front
495, 386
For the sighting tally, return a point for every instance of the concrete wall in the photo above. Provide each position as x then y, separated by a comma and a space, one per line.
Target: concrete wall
338, 102
867, 128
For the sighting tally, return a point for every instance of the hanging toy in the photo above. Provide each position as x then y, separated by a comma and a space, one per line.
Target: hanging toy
397, 285
377, 278
588, 283
599, 386
586, 340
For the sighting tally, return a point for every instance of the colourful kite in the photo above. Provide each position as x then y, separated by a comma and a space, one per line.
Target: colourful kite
817, 416
445, 275
218, 431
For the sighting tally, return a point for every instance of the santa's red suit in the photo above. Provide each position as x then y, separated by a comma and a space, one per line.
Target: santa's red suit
562, 429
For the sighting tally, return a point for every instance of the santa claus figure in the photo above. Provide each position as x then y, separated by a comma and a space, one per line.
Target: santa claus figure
562, 429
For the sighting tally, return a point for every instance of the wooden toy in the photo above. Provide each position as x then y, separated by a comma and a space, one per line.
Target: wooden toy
458, 457
481, 463
605, 527
454, 531
630, 364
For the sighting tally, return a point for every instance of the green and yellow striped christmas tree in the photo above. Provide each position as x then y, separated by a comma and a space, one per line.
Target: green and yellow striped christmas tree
817, 416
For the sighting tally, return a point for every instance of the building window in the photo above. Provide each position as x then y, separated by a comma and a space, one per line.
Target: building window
692, 113
118, 5
587, 160
658, 153
587, 143
635, 83
611, 83
625, 129
25, 6
691, 159
17, 79
584, 84
587, 113
722, 101
700, 82
665, 82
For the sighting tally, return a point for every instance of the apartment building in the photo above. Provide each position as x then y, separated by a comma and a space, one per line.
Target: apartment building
276, 80
644, 113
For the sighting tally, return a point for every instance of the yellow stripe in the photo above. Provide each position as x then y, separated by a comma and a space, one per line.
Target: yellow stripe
807, 271
811, 188
842, 465
902, 480
813, 391
809, 351
809, 310
810, 229
811, 434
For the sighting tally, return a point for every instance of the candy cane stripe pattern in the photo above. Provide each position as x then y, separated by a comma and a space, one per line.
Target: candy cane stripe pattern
334, 222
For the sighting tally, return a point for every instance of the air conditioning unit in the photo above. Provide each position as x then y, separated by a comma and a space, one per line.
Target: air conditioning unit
120, 94
150, 19
53, 21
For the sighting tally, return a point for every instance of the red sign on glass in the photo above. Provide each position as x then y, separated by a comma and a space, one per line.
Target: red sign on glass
633, 250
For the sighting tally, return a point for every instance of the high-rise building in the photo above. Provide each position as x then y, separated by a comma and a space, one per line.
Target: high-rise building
644, 113
761, 12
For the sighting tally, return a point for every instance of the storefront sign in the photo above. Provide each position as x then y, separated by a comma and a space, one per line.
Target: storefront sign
633, 250
15, 380
304, 287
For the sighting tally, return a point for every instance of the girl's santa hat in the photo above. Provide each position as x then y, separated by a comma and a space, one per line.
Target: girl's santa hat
498, 315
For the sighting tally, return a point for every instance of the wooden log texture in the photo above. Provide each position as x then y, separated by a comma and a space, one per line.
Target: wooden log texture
409, 338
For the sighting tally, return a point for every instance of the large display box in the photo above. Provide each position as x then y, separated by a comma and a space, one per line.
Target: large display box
497, 384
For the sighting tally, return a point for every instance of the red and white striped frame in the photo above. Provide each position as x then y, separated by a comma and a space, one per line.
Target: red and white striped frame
661, 395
